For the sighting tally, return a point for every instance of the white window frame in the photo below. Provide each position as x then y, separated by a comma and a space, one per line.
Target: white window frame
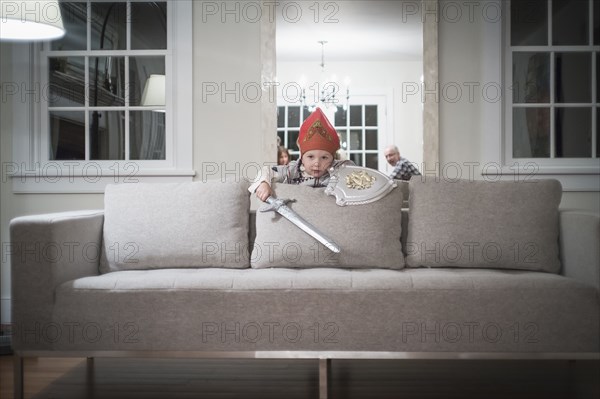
33, 172
575, 174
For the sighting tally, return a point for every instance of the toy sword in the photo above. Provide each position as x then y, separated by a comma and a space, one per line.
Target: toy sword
279, 206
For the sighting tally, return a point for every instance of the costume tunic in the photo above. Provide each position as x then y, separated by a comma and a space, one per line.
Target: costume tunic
294, 173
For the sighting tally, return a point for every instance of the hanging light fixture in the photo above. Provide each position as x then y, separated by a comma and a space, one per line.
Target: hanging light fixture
327, 91
30, 20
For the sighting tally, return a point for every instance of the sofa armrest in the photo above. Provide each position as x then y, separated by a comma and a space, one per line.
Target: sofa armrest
579, 249
46, 251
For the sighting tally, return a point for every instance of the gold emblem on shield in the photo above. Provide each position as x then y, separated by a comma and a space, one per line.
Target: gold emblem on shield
359, 180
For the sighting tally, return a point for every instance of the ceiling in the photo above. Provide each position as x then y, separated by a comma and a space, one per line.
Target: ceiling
364, 30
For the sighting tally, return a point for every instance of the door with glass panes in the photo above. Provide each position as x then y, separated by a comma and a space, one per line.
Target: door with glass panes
360, 125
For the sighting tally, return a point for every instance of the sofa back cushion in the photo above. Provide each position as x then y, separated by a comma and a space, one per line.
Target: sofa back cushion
369, 235
192, 224
466, 223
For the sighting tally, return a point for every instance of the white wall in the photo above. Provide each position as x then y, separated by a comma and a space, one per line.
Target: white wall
399, 80
227, 124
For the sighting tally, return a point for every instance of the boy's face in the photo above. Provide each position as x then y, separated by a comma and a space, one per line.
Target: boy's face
316, 162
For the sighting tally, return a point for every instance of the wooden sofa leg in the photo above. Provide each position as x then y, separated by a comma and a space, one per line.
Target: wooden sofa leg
324, 372
89, 376
18, 377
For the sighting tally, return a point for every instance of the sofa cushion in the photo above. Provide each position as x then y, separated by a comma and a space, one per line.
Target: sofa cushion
192, 224
466, 223
369, 235
439, 311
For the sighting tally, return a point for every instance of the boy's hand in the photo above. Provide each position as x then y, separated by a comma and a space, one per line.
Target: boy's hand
263, 191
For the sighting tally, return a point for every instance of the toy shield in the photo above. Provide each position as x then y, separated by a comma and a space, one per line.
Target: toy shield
356, 185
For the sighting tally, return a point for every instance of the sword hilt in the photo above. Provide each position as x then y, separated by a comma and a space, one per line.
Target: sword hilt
273, 204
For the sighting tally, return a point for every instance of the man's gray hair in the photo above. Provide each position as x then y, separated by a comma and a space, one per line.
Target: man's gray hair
393, 147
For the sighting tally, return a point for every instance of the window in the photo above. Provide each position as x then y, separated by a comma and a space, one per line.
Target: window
554, 66
95, 108
109, 87
359, 133
289, 120
358, 125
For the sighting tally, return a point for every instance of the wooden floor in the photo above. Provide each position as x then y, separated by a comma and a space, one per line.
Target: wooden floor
114, 378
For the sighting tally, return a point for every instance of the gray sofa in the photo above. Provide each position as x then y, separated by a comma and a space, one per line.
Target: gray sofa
472, 269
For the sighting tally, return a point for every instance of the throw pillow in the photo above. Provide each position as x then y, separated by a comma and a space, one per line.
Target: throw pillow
481, 224
368, 235
192, 224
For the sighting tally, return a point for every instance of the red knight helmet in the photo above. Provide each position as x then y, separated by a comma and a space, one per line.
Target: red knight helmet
317, 133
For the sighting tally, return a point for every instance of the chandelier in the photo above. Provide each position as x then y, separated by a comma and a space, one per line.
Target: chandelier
325, 93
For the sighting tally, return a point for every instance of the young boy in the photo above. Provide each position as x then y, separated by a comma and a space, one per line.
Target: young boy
318, 142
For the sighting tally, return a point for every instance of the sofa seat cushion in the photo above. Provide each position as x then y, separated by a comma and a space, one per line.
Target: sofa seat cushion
368, 235
422, 310
316, 279
192, 224
483, 224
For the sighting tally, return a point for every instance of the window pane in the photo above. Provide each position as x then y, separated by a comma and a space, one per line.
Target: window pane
370, 115
107, 135
597, 132
67, 81
573, 77
293, 116
531, 77
292, 140
280, 117
371, 161
356, 140
356, 115
147, 135
570, 22
108, 26
341, 119
67, 135
140, 69
281, 138
107, 81
370, 139
357, 159
531, 132
343, 139
74, 17
596, 23
149, 25
598, 77
573, 127
305, 113
529, 22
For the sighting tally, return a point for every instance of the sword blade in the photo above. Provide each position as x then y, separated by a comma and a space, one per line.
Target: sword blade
280, 207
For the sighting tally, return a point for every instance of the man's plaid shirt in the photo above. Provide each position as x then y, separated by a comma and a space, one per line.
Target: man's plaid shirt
404, 170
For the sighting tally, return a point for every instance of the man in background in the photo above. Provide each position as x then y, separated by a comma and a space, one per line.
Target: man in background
403, 168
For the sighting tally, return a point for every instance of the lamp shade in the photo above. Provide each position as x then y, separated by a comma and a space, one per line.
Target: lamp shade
154, 91
30, 20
